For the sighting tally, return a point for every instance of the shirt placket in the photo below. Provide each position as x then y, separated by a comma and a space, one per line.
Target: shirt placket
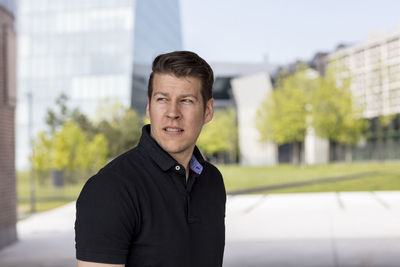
185, 188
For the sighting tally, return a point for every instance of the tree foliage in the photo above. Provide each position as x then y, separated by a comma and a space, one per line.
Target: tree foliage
78, 146
283, 115
220, 135
43, 153
55, 119
69, 150
335, 115
120, 125
303, 100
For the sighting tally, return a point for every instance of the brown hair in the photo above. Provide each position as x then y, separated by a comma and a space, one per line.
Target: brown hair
181, 64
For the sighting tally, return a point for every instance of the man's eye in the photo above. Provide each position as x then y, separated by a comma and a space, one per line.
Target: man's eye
161, 99
187, 100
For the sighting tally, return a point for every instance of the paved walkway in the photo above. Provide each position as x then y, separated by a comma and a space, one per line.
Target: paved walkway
321, 229
46, 240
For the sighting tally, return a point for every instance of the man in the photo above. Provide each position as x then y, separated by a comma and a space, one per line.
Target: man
161, 203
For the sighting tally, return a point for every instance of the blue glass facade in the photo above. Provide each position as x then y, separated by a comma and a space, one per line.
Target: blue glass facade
86, 50
157, 30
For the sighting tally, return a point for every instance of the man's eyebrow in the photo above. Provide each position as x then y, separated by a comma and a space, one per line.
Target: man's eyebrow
160, 93
189, 95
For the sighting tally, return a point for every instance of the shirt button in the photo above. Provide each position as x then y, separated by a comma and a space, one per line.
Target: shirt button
177, 167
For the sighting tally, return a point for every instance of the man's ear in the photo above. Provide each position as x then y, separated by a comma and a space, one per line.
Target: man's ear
209, 112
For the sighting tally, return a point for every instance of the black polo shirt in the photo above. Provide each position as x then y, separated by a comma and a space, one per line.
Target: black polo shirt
140, 211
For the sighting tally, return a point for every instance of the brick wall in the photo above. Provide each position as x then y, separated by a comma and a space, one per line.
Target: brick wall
8, 198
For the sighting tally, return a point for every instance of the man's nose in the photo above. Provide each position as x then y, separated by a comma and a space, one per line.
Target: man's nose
173, 111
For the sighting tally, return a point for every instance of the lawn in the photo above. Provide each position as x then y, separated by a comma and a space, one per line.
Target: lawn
371, 176
47, 197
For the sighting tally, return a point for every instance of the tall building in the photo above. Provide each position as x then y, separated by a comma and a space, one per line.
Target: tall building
250, 91
374, 66
243, 86
88, 50
157, 30
225, 72
8, 200
375, 69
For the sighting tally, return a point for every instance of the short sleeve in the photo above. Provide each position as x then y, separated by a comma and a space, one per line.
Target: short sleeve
106, 220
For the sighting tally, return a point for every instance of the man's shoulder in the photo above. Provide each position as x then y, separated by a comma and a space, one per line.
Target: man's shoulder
213, 174
215, 181
124, 164
114, 176
212, 169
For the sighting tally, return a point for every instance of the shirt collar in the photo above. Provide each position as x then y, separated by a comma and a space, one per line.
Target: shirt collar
195, 165
162, 158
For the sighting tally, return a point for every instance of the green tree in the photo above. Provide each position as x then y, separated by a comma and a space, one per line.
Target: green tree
219, 136
97, 153
120, 125
74, 144
55, 119
335, 115
69, 150
42, 147
282, 117
70, 146
86, 125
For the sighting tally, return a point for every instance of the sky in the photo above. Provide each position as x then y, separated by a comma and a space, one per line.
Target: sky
281, 31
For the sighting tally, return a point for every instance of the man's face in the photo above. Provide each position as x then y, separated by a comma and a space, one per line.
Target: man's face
177, 113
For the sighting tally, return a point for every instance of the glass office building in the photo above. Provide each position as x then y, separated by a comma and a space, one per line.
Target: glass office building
89, 50
157, 30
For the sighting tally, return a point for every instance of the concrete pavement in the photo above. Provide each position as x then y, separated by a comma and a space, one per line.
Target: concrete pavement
319, 229
45, 240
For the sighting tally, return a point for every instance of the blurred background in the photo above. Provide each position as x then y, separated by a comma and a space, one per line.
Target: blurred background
307, 98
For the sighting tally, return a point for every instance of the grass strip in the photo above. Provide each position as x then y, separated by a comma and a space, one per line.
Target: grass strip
302, 183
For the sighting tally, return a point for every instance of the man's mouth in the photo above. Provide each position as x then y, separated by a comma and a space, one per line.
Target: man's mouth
174, 130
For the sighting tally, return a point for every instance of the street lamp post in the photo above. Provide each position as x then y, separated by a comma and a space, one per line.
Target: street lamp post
30, 134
